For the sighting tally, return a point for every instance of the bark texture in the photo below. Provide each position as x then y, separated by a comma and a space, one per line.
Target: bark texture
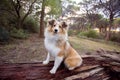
103, 65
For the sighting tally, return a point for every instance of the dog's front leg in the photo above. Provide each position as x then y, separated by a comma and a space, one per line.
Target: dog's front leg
57, 63
47, 59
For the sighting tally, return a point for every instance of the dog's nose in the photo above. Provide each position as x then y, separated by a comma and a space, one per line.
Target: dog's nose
56, 30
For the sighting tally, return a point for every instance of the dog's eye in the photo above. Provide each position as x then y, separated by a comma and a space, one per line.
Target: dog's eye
54, 25
60, 26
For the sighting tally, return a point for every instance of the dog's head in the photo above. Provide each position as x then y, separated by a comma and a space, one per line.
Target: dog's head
56, 27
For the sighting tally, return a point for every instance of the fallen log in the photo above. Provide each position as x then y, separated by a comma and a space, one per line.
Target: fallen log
94, 67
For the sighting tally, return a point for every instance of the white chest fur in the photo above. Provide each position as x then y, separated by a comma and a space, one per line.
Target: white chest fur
51, 47
51, 41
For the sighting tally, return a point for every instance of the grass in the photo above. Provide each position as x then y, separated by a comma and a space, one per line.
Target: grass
33, 50
85, 45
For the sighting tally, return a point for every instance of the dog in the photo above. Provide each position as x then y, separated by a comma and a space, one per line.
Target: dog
57, 45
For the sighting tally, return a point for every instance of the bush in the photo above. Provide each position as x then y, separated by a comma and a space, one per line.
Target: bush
31, 25
4, 35
20, 34
73, 32
70, 32
115, 37
89, 34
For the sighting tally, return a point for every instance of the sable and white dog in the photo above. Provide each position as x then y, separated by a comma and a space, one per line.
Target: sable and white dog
57, 45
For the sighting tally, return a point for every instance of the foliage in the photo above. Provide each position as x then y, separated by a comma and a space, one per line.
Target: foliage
73, 32
115, 37
31, 25
93, 18
85, 22
19, 34
17, 9
70, 32
4, 35
55, 6
111, 8
89, 34
102, 23
117, 22
13, 14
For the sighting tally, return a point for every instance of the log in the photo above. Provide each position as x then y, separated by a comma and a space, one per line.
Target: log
110, 59
94, 67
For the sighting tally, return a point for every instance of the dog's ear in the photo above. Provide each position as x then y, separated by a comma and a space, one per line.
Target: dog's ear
64, 24
51, 22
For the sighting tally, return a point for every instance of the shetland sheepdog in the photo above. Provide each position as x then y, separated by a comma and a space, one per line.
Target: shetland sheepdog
57, 45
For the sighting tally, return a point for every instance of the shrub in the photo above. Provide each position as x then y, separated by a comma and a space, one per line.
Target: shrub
31, 25
73, 32
89, 34
4, 35
115, 37
20, 34
82, 34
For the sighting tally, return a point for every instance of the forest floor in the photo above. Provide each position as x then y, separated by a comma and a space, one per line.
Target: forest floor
32, 49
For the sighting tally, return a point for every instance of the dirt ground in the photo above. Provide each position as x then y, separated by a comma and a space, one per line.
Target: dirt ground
33, 50
30, 50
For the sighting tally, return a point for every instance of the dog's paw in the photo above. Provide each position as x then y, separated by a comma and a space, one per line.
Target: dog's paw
52, 71
45, 62
72, 68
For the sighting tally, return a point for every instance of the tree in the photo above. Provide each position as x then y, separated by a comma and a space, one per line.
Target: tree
55, 6
17, 5
93, 19
117, 23
111, 9
69, 7
19, 9
92, 15
42, 20
102, 25
6, 14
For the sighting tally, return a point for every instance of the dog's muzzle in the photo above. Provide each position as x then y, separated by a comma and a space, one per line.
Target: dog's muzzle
55, 31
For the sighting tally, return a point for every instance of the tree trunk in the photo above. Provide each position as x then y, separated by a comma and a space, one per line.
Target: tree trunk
105, 29
42, 20
100, 29
19, 23
108, 34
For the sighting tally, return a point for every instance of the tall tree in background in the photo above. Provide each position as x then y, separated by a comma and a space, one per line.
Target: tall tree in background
18, 10
112, 10
55, 6
102, 24
42, 20
18, 7
117, 23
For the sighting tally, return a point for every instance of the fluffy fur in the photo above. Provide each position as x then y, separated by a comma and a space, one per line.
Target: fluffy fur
57, 45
